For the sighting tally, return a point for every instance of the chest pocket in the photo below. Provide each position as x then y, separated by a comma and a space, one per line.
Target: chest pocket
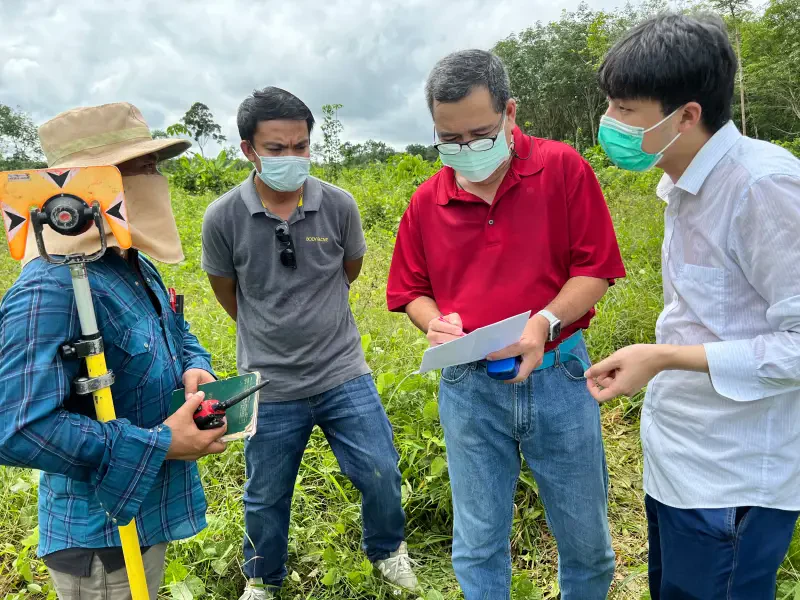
705, 293
135, 356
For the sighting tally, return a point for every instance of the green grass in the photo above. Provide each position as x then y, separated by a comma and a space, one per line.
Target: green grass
325, 561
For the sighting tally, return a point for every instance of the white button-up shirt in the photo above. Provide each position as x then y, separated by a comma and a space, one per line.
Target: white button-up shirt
731, 270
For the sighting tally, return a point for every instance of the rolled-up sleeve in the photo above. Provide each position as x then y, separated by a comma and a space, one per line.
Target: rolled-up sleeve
121, 460
766, 241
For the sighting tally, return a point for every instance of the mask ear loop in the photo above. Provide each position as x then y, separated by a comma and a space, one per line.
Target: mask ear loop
662, 121
513, 147
514, 151
675, 139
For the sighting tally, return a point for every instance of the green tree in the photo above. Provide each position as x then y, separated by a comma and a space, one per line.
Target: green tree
771, 50
331, 144
735, 9
198, 123
369, 152
428, 153
19, 141
553, 69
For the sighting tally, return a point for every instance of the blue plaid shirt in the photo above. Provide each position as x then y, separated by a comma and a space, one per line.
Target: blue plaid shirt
95, 475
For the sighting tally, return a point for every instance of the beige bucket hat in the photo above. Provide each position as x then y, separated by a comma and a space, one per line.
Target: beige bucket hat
109, 134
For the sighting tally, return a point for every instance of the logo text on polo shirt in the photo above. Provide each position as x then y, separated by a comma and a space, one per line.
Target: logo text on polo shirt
312, 238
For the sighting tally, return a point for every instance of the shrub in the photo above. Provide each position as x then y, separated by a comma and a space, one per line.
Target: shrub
792, 146
198, 175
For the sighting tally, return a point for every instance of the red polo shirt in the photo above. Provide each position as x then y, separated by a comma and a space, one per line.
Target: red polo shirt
549, 222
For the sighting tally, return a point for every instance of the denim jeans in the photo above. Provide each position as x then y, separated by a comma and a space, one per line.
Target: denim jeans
554, 423
716, 553
355, 424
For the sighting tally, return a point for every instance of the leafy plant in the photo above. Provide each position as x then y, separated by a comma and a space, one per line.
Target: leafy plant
199, 175
792, 146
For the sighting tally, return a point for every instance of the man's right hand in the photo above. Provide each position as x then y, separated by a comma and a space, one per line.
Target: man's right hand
444, 329
189, 442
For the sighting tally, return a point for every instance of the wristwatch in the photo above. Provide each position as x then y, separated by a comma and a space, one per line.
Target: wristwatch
555, 325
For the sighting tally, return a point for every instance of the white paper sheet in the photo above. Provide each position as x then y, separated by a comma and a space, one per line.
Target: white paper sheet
476, 345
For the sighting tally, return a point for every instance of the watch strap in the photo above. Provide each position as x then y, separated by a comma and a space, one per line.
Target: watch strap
553, 320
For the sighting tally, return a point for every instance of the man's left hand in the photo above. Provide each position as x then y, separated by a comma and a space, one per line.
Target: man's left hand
530, 348
193, 378
625, 372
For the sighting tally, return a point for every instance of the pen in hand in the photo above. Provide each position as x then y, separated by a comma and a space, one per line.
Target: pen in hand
445, 329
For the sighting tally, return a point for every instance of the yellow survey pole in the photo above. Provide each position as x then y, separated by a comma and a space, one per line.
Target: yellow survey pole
104, 407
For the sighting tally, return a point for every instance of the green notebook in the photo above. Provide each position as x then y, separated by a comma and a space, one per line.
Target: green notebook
242, 418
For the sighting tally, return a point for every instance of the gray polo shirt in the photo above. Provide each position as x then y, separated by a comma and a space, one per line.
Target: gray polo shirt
294, 326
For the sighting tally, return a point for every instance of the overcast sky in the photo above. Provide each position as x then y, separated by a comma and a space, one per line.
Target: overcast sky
162, 56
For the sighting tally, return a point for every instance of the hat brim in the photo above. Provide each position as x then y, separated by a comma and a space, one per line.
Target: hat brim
116, 154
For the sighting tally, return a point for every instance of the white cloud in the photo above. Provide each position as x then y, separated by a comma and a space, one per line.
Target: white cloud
370, 56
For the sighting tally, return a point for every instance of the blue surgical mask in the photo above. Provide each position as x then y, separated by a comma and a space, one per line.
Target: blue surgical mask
477, 166
284, 173
623, 144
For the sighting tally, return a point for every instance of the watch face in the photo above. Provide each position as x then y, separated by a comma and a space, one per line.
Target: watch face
555, 332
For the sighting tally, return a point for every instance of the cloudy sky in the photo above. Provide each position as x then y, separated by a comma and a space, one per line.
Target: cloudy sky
370, 56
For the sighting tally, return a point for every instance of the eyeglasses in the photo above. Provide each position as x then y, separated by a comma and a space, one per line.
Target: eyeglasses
478, 145
288, 256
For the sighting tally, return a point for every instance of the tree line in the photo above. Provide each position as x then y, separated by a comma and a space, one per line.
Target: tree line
553, 69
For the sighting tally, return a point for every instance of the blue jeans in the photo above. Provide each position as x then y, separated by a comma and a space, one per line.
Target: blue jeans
355, 424
552, 420
716, 554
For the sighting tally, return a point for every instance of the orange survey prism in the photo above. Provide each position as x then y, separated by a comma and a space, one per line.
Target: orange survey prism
63, 199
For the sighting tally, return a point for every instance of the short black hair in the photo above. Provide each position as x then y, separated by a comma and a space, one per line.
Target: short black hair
270, 104
455, 76
675, 59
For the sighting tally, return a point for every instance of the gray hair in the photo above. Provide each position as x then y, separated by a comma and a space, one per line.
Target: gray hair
457, 74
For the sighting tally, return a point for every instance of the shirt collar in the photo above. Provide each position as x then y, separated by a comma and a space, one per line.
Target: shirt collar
713, 151
527, 161
312, 195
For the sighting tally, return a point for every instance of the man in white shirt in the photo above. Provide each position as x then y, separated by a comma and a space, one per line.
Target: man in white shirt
721, 419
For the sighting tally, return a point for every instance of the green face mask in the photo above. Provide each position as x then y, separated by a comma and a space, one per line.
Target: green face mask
473, 162
623, 144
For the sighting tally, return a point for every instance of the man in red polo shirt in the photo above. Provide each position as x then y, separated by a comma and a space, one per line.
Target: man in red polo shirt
511, 223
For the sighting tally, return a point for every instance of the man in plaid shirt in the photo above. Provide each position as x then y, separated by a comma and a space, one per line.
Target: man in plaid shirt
97, 476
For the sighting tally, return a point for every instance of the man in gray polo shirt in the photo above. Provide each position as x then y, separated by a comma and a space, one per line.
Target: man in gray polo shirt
281, 251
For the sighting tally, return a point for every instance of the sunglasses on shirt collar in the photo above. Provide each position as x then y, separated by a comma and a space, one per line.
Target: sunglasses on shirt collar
288, 256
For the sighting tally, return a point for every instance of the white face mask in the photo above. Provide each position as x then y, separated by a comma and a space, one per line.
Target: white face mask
284, 173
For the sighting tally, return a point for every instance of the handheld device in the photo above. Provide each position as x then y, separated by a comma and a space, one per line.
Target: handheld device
503, 369
210, 413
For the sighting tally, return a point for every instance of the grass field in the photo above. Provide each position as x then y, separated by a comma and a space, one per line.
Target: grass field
325, 560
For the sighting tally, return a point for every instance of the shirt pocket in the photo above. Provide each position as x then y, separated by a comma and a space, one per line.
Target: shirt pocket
136, 356
705, 293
